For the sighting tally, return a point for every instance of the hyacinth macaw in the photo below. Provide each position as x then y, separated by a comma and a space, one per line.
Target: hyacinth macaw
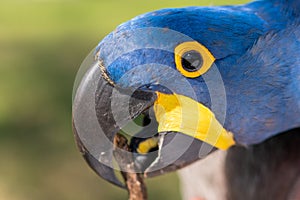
199, 79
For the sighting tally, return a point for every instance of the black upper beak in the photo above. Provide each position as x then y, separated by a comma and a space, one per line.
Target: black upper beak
101, 110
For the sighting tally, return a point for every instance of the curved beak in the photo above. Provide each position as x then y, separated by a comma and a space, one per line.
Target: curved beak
101, 110
97, 118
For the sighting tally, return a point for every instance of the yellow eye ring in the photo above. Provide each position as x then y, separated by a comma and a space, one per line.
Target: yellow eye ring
192, 59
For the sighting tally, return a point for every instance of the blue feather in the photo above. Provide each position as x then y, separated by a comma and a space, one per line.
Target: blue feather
256, 46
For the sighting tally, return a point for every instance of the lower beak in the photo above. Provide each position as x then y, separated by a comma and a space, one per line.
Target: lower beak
177, 150
101, 110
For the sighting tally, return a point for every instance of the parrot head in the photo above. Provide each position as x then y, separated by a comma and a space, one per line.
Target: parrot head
180, 83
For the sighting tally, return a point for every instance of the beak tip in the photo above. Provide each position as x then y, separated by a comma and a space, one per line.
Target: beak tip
99, 168
103, 171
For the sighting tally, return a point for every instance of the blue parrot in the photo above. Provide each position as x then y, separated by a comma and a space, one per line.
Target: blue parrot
200, 79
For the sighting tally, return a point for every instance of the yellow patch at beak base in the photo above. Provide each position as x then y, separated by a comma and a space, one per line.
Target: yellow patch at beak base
178, 113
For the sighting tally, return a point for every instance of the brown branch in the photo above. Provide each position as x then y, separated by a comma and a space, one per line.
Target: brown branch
134, 182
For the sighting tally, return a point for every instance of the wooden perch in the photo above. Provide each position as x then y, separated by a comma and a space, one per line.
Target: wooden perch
134, 182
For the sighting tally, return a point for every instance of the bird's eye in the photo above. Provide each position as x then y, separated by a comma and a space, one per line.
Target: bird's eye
193, 59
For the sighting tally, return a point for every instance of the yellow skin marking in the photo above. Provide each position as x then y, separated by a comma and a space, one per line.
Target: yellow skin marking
208, 58
178, 113
145, 146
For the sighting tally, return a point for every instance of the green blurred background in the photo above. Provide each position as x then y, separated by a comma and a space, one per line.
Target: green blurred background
42, 44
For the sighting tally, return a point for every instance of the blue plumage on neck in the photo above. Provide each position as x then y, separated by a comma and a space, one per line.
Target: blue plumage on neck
289, 6
269, 90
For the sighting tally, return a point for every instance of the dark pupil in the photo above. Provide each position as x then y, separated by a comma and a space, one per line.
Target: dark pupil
191, 61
